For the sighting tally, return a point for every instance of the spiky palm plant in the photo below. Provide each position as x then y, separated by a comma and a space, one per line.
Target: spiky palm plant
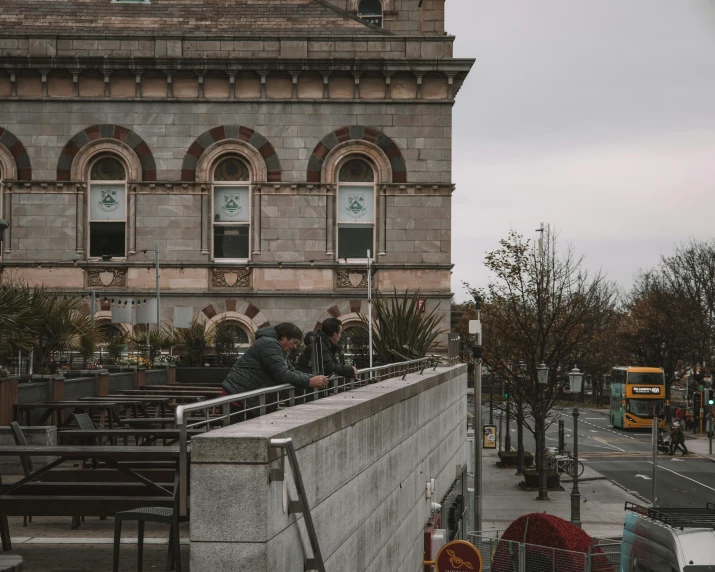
19, 321
401, 330
159, 339
195, 340
88, 341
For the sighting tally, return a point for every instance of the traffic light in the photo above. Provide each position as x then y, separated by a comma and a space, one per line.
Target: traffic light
506, 394
697, 403
709, 397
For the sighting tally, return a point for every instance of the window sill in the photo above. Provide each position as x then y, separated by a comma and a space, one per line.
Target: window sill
231, 261
356, 261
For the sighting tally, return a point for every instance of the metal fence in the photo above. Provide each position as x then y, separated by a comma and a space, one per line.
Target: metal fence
499, 555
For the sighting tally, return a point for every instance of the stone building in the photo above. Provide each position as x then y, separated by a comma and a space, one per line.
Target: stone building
264, 146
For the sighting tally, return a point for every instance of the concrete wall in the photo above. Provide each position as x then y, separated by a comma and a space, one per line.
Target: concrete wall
365, 457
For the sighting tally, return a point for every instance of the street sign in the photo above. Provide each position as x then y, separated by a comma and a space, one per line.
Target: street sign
701, 388
459, 555
489, 436
475, 327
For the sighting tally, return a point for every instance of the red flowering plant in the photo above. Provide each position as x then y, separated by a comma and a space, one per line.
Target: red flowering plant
543, 533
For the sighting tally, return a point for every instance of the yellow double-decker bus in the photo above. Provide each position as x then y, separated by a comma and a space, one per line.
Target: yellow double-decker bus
637, 394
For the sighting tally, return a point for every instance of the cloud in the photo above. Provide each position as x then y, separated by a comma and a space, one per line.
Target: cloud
596, 117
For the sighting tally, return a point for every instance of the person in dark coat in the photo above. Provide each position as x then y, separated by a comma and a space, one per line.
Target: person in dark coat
266, 364
677, 440
332, 361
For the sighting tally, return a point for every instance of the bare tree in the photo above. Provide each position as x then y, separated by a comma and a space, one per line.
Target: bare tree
541, 307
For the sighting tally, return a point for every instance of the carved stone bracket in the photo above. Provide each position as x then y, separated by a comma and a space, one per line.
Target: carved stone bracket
231, 278
106, 277
352, 279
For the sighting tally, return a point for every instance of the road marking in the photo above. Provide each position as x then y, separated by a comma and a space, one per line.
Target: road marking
681, 475
677, 460
594, 418
593, 431
646, 477
606, 443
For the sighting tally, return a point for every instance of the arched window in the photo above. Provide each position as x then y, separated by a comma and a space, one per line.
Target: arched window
356, 210
232, 212
107, 208
371, 10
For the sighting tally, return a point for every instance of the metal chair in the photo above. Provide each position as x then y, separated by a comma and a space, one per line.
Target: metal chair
161, 514
25, 460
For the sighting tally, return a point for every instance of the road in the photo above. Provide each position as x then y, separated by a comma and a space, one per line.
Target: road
625, 458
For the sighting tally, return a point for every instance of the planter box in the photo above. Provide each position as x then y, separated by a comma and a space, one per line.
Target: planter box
531, 481
511, 459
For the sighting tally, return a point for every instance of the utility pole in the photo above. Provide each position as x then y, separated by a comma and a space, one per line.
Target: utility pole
478, 435
491, 400
369, 314
519, 437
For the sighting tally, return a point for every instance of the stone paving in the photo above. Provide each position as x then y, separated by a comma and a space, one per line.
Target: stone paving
503, 501
48, 544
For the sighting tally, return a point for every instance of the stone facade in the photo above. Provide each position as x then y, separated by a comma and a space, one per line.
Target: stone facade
308, 87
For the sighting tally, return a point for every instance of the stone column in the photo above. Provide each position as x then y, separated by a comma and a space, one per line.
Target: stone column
43, 75
330, 230
132, 219
80, 218
382, 221
169, 84
263, 75
75, 83
8, 398
231, 85
294, 93
256, 222
205, 220
326, 84
7, 206
200, 77
388, 83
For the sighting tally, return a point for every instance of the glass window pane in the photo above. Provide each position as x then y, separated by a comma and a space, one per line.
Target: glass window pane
356, 171
231, 204
356, 204
231, 241
108, 169
354, 241
107, 202
231, 169
107, 238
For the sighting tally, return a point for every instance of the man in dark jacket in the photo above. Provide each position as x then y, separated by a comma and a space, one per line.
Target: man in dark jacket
265, 364
329, 359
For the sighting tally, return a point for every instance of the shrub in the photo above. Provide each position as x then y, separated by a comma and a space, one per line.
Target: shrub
511, 458
541, 529
531, 479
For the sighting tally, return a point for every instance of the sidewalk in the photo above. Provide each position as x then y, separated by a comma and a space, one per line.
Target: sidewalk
699, 444
503, 501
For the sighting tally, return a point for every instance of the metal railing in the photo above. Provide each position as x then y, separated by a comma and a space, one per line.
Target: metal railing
217, 411
499, 555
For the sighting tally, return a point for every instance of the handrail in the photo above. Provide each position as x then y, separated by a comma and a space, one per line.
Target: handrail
182, 411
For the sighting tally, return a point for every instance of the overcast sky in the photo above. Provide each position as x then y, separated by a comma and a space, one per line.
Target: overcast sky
596, 116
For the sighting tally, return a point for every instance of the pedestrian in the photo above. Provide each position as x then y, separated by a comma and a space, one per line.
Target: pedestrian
677, 440
679, 414
330, 359
266, 364
689, 419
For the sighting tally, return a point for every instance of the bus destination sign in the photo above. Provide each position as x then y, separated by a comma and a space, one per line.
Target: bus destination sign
642, 390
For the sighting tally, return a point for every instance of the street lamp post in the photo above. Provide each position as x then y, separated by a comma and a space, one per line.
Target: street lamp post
507, 435
477, 354
491, 400
519, 437
542, 372
576, 378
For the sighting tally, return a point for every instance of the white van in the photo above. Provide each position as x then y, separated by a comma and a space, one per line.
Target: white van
668, 539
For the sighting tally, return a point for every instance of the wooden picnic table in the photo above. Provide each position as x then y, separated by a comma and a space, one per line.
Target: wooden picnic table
141, 402
105, 408
148, 422
149, 436
33, 497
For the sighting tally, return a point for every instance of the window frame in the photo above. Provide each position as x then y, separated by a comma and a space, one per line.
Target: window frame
369, 17
124, 221
339, 224
248, 224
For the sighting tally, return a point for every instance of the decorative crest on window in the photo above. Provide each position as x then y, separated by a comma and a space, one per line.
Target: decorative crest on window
231, 169
108, 169
356, 171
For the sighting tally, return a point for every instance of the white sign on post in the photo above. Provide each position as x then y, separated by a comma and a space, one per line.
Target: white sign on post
146, 313
122, 312
475, 327
183, 316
